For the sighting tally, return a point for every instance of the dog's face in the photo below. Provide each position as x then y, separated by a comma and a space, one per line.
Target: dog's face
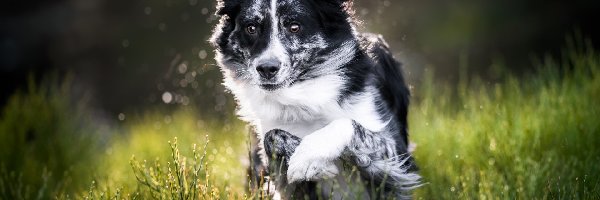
273, 44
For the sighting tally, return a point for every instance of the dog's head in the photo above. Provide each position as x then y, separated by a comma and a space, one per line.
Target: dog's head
273, 44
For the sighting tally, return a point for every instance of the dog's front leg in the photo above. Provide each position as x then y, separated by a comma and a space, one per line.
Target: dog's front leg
314, 157
279, 146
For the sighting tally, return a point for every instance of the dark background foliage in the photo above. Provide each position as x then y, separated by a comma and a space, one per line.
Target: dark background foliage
130, 54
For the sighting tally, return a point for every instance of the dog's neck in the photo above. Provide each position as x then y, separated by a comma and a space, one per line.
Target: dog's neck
305, 107
305, 102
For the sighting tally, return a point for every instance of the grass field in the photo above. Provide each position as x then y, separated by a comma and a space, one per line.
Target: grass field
532, 136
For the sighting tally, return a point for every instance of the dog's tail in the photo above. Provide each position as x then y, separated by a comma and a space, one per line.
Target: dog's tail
392, 176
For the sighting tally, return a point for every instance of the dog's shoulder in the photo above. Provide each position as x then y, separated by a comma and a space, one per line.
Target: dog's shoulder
390, 80
373, 44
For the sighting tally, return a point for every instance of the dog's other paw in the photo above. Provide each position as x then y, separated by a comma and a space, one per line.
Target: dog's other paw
280, 144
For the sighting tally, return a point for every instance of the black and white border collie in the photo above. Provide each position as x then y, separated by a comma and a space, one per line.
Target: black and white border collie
328, 104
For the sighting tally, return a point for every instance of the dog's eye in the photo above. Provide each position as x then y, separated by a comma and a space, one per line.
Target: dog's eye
251, 29
294, 27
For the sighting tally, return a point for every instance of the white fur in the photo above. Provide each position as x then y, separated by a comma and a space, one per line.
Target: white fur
337, 58
291, 108
314, 157
317, 42
310, 109
307, 109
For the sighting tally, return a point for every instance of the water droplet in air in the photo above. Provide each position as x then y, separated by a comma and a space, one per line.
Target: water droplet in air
125, 43
162, 27
167, 97
182, 68
202, 54
168, 119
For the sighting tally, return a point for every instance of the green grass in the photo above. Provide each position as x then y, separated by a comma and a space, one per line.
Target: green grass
177, 143
52, 149
532, 136
45, 142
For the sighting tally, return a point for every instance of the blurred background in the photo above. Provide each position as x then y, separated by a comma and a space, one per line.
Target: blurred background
87, 83
130, 54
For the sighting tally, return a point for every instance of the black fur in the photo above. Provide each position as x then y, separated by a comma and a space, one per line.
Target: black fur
390, 82
280, 145
373, 66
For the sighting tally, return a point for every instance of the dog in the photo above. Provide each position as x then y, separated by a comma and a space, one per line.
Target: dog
328, 104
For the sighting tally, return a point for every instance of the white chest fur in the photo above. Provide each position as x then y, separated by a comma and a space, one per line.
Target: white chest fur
304, 107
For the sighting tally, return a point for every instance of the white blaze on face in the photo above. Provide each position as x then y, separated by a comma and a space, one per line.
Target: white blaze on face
275, 49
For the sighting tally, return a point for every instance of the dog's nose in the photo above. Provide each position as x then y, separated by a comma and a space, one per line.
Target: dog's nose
269, 69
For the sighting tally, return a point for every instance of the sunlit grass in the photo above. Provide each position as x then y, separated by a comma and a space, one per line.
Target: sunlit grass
51, 149
535, 138
146, 138
532, 137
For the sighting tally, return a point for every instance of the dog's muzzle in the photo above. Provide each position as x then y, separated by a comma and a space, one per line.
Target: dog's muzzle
268, 69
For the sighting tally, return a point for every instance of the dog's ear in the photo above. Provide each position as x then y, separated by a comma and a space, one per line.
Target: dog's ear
345, 4
227, 10
228, 7
342, 1
336, 15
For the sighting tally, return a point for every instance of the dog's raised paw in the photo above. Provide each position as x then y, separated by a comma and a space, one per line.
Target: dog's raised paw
304, 168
